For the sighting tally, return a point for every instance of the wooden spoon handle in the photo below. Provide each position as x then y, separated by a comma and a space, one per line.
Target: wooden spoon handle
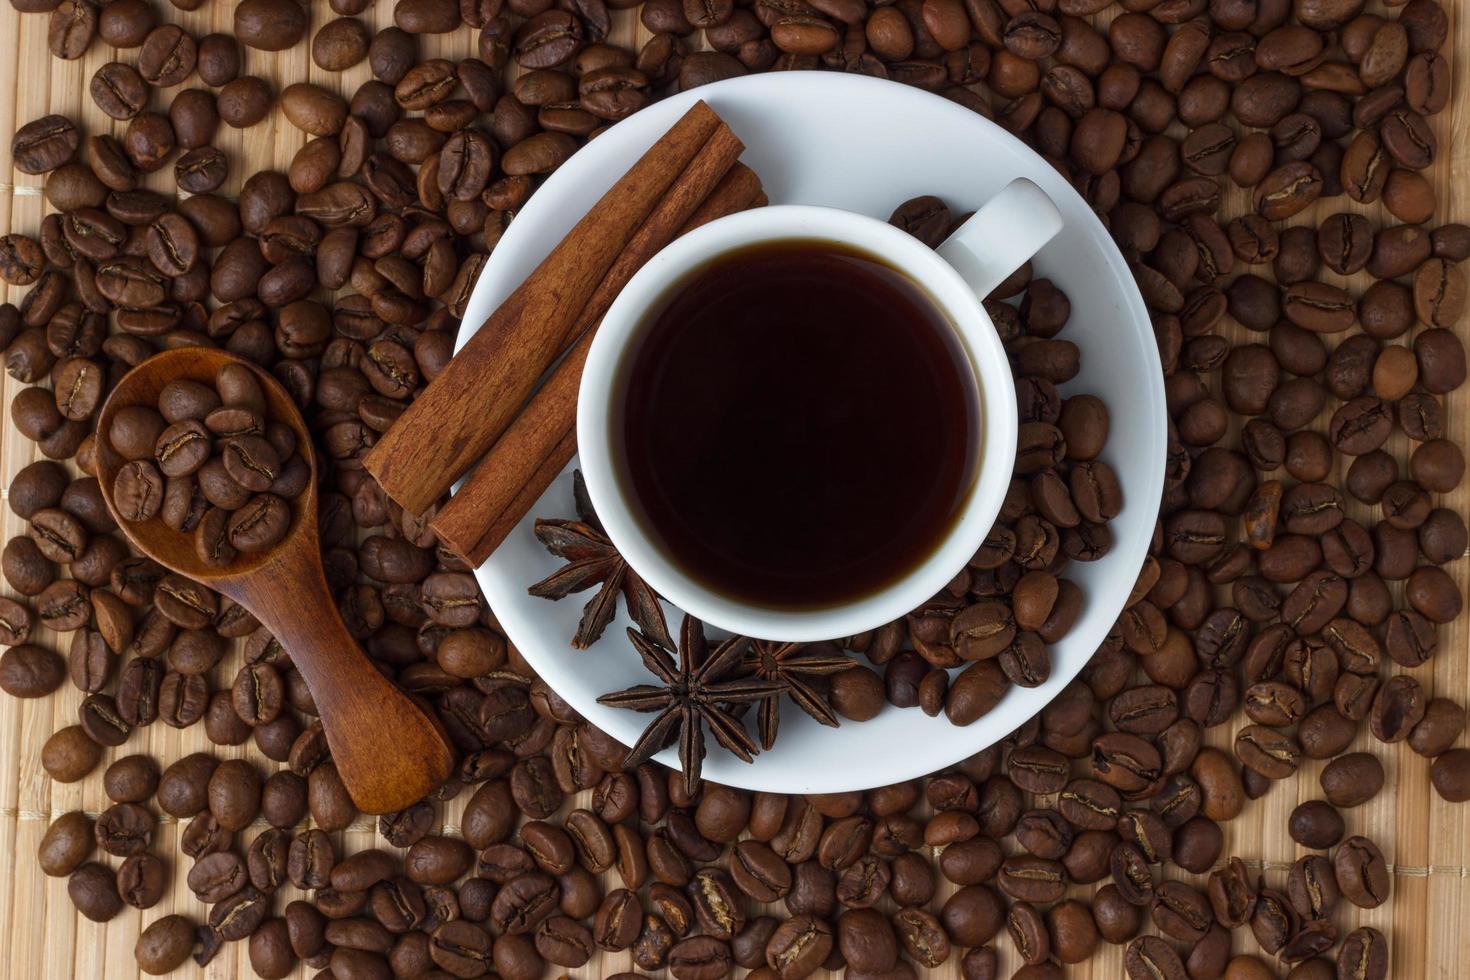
388, 751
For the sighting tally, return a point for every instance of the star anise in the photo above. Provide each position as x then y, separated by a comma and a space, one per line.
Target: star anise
789, 664
691, 694
592, 559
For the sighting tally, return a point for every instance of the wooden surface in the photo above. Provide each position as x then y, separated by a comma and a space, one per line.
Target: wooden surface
1427, 841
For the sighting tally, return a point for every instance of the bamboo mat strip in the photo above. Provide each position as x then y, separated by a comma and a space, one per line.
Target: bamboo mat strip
1426, 841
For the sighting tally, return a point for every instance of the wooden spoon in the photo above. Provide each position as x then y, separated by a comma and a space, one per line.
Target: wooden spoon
388, 751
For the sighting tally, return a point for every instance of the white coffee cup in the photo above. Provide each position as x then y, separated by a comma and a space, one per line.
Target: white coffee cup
992, 244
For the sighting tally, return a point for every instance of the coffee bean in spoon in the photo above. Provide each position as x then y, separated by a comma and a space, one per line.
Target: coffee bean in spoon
219, 445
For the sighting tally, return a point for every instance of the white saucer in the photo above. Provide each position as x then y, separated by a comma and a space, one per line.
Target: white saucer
866, 145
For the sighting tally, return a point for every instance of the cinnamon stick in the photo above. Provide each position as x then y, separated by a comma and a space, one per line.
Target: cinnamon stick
548, 470
466, 408
472, 522
739, 191
698, 181
543, 438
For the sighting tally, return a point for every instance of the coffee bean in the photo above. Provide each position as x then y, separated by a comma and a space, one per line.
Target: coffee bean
1364, 954
37, 486
245, 101
92, 888
1287, 190
215, 877
44, 144
1117, 920
258, 525
1149, 956
181, 400
164, 945
310, 860
313, 109
1352, 779
1316, 824
138, 491
1450, 775
234, 794
102, 721
240, 914
522, 903
1361, 872
1439, 292
568, 944
339, 44
699, 956
1407, 138
270, 25
1398, 706
1274, 922
119, 91
1442, 723
618, 921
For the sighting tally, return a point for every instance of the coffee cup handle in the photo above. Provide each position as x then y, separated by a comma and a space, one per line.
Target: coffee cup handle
1007, 230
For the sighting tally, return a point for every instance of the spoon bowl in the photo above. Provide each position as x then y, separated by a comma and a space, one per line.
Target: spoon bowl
172, 549
389, 751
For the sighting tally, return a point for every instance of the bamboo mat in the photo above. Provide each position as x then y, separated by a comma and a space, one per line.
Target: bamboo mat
1426, 840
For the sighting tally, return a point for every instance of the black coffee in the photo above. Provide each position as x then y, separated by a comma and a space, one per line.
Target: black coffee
800, 424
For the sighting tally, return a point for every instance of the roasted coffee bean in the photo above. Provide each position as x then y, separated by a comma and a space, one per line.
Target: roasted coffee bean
217, 876
1268, 752
1231, 897
618, 921
44, 144
310, 860
1182, 912
92, 888
1274, 922
863, 883
66, 842
1398, 706
1117, 920
103, 722
28, 671
759, 872
1364, 954
1316, 824
1312, 888
164, 945
16, 619
269, 25
522, 903
1450, 775
1031, 879
1038, 770
923, 938
1352, 779
138, 491
1442, 723
813, 890
234, 794
124, 829
1149, 957
562, 941
118, 90
1362, 874
260, 524
59, 535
